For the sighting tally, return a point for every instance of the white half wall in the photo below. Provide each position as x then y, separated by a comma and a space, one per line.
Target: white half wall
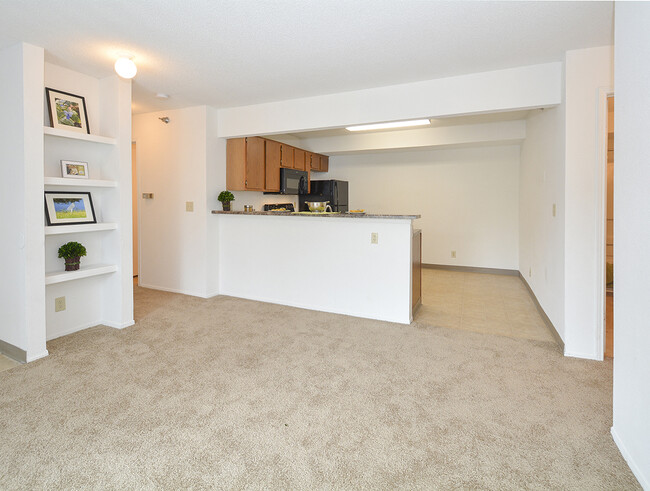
541, 235
496, 91
318, 263
587, 71
468, 199
631, 429
171, 164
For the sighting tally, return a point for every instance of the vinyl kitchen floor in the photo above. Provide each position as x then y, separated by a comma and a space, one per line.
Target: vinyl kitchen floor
485, 303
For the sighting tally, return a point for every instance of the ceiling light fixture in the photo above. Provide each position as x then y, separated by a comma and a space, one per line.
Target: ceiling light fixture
385, 126
125, 67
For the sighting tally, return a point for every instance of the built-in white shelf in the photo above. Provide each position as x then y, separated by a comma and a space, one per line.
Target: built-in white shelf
75, 229
85, 183
78, 136
85, 272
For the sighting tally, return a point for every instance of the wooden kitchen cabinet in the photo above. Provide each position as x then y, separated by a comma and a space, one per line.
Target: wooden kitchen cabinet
246, 164
299, 159
273, 158
324, 163
286, 156
313, 161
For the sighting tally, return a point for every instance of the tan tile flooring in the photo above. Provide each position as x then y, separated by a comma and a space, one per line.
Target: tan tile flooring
486, 303
6, 363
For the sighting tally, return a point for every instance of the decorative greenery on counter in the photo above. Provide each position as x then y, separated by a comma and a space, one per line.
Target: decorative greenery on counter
226, 197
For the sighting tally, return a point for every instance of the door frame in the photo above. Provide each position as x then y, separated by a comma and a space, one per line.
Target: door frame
601, 220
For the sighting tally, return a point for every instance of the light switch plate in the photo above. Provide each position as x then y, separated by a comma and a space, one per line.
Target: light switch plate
374, 238
189, 206
59, 304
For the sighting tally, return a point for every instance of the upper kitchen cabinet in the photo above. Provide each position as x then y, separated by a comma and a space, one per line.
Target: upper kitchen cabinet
299, 159
317, 162
246, 164
286, 156
273, 157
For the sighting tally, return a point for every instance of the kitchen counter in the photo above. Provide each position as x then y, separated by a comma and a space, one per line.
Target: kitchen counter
361, 266
317, 215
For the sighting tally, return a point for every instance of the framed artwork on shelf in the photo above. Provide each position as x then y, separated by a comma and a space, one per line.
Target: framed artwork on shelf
69, 208
67, 111
74, 169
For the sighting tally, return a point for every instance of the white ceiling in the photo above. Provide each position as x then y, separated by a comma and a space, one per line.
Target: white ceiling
235, 52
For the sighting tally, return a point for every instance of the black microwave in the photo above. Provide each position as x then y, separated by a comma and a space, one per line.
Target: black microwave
293, 181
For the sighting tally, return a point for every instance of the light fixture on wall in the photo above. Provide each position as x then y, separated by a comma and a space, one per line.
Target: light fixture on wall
125, 67
164, 119
386, 126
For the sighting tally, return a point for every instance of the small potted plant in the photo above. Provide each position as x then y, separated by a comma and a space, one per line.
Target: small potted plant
71, 252
226, 197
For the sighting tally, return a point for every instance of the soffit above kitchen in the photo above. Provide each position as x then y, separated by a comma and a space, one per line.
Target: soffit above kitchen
234, 53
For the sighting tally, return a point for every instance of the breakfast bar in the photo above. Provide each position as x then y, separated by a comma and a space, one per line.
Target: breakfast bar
354, 264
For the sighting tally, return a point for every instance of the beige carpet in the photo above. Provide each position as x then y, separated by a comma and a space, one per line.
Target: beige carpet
229, 393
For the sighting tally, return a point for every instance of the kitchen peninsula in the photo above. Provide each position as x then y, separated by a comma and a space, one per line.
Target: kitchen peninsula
325, 262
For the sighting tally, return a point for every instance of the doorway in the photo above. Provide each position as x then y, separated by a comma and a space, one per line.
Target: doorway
609, 234
134, 208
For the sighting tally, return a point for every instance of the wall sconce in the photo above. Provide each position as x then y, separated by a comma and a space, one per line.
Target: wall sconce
164, 120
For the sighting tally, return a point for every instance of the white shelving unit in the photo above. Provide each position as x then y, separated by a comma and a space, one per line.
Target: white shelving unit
82, 183
108, 298
79, 136
78, 229
84, 272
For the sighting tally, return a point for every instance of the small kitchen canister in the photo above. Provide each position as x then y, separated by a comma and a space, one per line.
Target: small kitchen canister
248, 208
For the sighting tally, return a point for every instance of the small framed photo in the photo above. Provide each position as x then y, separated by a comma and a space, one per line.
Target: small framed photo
68, 208
74, 170
67, 111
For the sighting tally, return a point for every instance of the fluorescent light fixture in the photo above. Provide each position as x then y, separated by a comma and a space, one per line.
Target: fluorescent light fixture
385, 126
125, 67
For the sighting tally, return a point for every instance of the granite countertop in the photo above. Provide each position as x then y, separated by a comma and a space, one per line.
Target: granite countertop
319, 215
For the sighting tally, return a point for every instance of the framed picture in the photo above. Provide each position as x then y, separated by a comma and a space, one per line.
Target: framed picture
67, 111
68, 208
74, 170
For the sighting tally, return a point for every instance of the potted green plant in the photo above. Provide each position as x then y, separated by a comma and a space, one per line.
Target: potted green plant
226, 197
71, 252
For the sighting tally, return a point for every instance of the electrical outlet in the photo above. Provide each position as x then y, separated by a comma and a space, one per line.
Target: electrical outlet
554, 209
374, 238
189, 206
59, 304
453, 254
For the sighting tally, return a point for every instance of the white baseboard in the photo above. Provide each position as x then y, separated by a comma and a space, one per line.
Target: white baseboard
643, 481
584, 356
38, 356
171, 290
118, 325
74, 329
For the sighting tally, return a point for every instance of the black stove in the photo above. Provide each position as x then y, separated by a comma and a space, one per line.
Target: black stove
275, 206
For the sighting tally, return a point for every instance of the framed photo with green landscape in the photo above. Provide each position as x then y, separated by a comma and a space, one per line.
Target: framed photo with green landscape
67, 111
68, 208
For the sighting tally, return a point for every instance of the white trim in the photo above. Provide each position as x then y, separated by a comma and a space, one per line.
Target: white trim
118, 325
72, 330
584, 356
636, 470
40, 355
171, 290
601, 220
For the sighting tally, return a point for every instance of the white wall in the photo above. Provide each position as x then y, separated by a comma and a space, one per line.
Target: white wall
468, 199
172, 164
495, 91
541, 235
22, 293
281, 260
631, 428
587, 71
